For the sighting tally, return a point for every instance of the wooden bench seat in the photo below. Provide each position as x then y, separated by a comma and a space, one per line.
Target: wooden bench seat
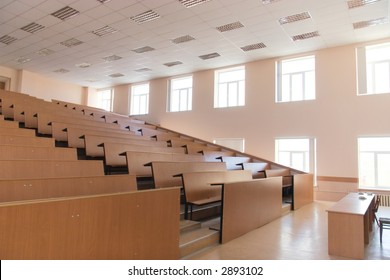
93, 147
257, 168
75, 135
214, 155
30, 189
30, 169
200, 187
136, 160
10, 152
8, 124
113, 151
26, 141
164, 171
233, 162
195, 148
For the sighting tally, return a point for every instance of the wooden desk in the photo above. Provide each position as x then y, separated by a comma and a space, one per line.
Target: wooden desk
349, 225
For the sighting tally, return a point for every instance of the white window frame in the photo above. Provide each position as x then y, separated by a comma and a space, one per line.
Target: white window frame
105, 103
285, 92
231, 98
375, 172
139, 101
183, 101
309, 154
367, 71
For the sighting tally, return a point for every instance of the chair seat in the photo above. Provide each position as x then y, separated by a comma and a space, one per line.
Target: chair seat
384, 223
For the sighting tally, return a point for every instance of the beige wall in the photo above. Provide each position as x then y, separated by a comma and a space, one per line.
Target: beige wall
336, 118
121, 99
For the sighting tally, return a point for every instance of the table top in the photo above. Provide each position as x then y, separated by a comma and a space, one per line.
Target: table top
353, 203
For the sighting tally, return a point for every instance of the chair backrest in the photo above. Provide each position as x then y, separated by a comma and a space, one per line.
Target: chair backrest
376, 203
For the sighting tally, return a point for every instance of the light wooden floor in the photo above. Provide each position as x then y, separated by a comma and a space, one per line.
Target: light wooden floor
298, 235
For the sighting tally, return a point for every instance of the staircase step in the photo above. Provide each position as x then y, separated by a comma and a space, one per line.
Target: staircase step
188, 225
196, 240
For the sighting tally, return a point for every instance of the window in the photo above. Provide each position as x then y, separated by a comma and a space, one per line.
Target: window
374, 162
229, 87
297, 153
373, 69
296, 79
140, 99
105, 99
237, 144
180, 94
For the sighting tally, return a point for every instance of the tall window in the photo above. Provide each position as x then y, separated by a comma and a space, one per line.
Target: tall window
374, 162
297, 153
180, 94
374, 69
296, 79
229, 87
105, 99
140, 99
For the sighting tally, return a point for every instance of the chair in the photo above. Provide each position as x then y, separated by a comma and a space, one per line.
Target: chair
376, 207
384, 223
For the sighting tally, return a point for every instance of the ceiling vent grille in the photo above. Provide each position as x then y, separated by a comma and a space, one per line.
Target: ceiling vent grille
32, 27
305, 36
106, 30
112, 58
294, 18
116, 75
143, 49
44, 52
266, 2
174, 63
65, 13
143, 70
23, 60
61, 70
103, 1
253, 47
145, 17
7, 39
230, 26
209, 56
83, 65
183, 39
192, 3
71, 43
368, 23
359, 3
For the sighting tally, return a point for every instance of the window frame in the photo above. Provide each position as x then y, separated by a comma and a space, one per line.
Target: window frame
188, 91
240, 86
304, 74
136, 98
103, 101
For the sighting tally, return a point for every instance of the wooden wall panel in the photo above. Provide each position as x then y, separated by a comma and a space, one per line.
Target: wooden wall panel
249, 205
137, 225
303, 190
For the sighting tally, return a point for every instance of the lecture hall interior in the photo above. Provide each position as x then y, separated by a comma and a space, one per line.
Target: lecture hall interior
194, 129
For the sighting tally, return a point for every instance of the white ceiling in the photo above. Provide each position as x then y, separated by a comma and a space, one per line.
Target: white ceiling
331, 18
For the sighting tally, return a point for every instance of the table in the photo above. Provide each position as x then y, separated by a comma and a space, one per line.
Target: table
349, 225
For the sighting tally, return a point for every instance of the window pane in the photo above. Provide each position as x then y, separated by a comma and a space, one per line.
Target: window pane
232, 94
310, 87
367, 169
286, 86
222, 95
297, 87
183, 100
298, 161
384, 170
175, 101
284, 158
382, 77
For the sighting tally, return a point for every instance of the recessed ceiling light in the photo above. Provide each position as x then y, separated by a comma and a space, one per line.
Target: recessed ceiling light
65, 13
32, 27
143, 49
83, 65
192, 3
305, 36
104, 1
112, 58
116, 75
7, 39
368, 23
183, 39
106, 30
230, 26
359, 3
174, 63
294, 18
266, 2
61, 70
253, 47
45, 52
209, 56
71, 42
145, 17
